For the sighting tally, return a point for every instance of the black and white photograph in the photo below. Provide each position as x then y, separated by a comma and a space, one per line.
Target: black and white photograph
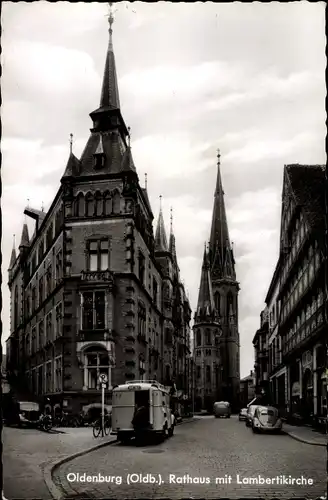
164, 250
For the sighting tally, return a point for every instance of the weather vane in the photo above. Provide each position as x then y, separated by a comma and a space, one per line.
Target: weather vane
111, 15
71, 143
218, 154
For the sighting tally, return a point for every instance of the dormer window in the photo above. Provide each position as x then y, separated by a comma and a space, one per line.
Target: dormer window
99, 155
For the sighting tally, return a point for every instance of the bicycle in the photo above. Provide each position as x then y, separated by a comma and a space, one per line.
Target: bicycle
97, 427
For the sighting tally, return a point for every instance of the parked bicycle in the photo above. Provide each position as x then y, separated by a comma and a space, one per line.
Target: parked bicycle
97, 426
45, 423
66, 420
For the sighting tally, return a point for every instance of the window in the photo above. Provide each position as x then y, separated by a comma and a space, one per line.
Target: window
59, 317
198, 353
141, 368
217, 299
41, 291
48, 381
99, 204
28, 306
50, 235
49, 280
49, 327
41, 251
34, 381
79, 205
96, 362
98, 255
33, 299
99, 160
34, 339
208, 374
40, 380
58, 269
155, 291
208, 340
93, 314
229, 304
141, 268
142, 319
58, 221
198, 338
58, 374
116, 203
108, 204
168, 336
27, 345
16, 319
89, 205
198, 372
41, 334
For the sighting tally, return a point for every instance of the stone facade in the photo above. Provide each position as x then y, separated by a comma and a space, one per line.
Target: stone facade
93, 291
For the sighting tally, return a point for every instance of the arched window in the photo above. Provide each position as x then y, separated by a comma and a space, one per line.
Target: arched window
217, 299
16, 308
89, 205
99, 204
96, 362
79, 205
116, 203
199, 338
108, 204
208, 337
229, 304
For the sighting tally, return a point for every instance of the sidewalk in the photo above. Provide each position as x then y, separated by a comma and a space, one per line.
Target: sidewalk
28, 454
305, 435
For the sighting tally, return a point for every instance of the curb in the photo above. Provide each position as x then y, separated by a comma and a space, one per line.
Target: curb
55, 492
302, 440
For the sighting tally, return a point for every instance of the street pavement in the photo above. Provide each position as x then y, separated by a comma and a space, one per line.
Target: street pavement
27, 453
202, 450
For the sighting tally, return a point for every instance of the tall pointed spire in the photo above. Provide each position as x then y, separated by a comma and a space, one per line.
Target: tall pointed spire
172, 247
25, 240
205, 305
13, 255
109, 93
160, 238
220, 248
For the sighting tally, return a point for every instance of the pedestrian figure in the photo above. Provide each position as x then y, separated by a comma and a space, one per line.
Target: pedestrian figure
140, 421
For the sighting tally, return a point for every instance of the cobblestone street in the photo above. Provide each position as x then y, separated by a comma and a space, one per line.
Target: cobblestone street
207, 448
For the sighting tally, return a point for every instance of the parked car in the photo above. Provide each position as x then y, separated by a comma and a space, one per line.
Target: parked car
250, 414
23, 413
222, 409
266, 419
243, 414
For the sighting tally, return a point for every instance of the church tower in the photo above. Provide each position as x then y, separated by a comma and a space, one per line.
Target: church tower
218, 281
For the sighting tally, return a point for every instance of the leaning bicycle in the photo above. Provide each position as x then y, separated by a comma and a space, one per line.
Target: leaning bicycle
99, 430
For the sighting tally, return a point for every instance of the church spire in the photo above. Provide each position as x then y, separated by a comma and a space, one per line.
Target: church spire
13, 255
205, 305
109, 93
220, 249
160, 237
25, 240
172, 247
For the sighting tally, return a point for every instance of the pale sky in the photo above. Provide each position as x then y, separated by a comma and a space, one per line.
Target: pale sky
246, 78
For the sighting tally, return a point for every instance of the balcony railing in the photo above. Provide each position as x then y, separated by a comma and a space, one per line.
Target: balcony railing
97, 276
307, 330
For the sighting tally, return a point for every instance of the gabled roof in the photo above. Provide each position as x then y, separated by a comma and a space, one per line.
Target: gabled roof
308, 185
127, 161
73, 167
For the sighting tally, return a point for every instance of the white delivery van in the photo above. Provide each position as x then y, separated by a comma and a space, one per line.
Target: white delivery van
149, 393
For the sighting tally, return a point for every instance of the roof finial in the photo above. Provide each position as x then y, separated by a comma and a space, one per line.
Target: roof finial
28, 203
145, 180
160, 202
171, 220
218, 156
70, 143
14, 240
42, 207
129, 137
110, 22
